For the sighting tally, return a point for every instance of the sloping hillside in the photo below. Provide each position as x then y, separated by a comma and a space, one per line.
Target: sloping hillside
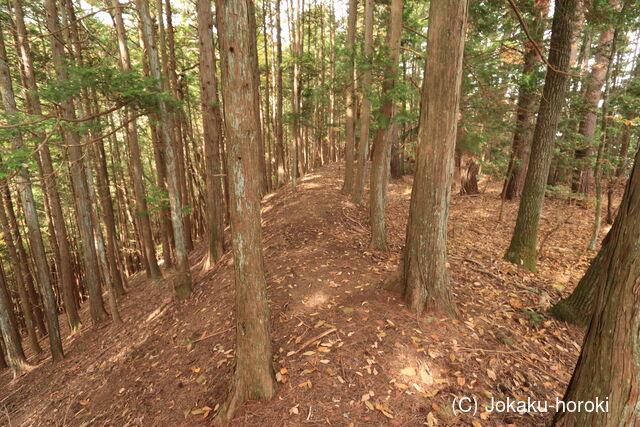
347, 352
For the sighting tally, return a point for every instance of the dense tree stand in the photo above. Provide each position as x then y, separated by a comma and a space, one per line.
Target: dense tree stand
609, 365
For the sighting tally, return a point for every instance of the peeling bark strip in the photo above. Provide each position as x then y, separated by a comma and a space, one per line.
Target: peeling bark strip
253, 376
522, 250
426, 280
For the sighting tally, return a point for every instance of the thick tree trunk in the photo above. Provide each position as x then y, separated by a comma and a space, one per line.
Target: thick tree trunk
253, 376
609, 365
425, 276
182, 283
31, 219
350, 125
522, 250
76, 165
135, 162
527, 101
212, 128
383, 141
365, 110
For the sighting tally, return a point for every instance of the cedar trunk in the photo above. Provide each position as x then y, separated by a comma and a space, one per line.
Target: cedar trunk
75, 158
253, 376
522, 250
182, 283
135, 162
349, 132
212, 128
382, 140
365, 109
425, 276
609, 365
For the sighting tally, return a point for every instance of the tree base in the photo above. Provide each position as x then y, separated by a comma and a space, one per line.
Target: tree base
526, 261
183, 287
564, 311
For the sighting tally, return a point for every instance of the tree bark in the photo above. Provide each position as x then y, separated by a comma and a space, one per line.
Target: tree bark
49, 178
382, 140
135, 162
425, 276
350, 143
253, 376
76, 165
281, 162
527, 101
522, 250
182, 283
609, 364
582, 174
19, 274
28, 204
9, 328
365, 109
212, 128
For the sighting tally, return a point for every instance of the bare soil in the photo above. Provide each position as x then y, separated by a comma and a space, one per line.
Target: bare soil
374, 364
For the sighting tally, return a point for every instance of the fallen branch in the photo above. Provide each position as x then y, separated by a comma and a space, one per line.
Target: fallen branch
314, 339
213, 335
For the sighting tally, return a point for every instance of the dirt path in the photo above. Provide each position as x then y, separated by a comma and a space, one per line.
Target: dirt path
374, 364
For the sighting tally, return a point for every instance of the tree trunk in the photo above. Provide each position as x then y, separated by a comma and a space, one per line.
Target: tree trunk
170, 67
522, 250
468, 175
135, 162
212, 127
425, 276
29, 210
280, 155
76, 165
365, 110
253, 376
9, 329
382, 141
24, 262
609, 364
19, 274
527, 101
582, 174
182, 283
350, 142
49, 177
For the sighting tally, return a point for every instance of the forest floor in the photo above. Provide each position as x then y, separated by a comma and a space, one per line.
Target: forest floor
346, 350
